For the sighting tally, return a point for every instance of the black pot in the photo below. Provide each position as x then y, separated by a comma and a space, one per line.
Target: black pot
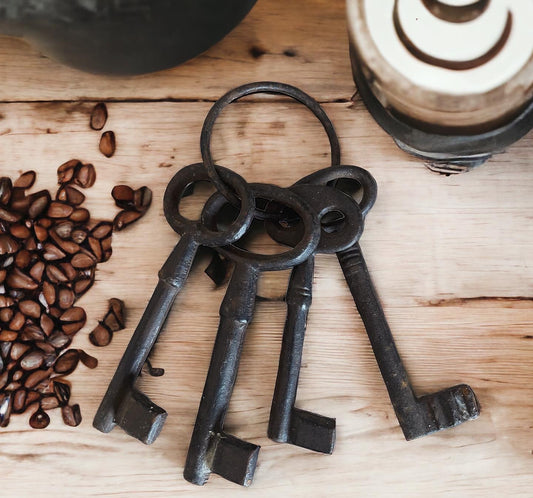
122, 36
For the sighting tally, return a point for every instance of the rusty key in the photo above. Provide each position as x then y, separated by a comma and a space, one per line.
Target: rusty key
287, 423
418, 416
211, 449
123, 404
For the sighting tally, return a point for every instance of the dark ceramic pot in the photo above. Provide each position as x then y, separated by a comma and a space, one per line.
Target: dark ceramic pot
122, 36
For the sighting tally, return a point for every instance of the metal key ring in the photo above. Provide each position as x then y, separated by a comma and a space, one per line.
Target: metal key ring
249, 89
270, 262
211, 238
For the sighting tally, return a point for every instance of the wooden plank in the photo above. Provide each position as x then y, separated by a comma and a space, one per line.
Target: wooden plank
450, 256
277, 41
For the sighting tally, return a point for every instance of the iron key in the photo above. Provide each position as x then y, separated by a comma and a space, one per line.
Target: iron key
123, 404
211, 449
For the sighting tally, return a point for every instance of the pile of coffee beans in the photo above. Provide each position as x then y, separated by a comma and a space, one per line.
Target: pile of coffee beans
49, 251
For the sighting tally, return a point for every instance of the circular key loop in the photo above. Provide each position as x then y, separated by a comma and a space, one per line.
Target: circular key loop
195, 173
270, 262
249, 89
360, 175
324, 199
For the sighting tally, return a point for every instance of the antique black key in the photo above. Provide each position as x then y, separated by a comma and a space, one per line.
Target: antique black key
287, 423
211, 449
417, 416
123, 404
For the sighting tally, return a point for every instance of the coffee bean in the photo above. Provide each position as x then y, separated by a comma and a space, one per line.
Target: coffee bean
18, 350
6, 403
41, 233
19, 400
36, 377
30, 308
19, 280
6, 314
32, 360
55, 274
40, 419
125, 218
59, 340
88, 360
82, 260
74, 314
49, 293
108, 143
49, 402
85, 176
26, 180
17, 322
23, 258
36, 271
117, 307
46, 348
8, 245
6, 301
74, 196
64, 229
38, 205
80, 215
10, 216
59, 209
8, 335
70, 272
102, 230
19, 231
71, 415
6, 189
66, 171
123, 196
67, 362
32, 333
47, 324
100, 336
142, 199
98, 116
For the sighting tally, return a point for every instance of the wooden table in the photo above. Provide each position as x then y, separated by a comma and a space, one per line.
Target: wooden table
450, 257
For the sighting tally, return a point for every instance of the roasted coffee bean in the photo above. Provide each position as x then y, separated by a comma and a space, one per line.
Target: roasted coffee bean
38, 205
74, 314
36, 377
98, 116
17, 322
6, 403
30, 308
70, 272
10, 216
142, 199
79, 235
55, 274
36, 271
102, 230
18, 349
8, 245
41, 233
71, 415
62, 391
59, 340
82, 260
47, 324
73, 195
49, 402
6, 189
100, 336
49, 293
17, 375
72, 328
123, 196
46, 347
32, 397
108, 143
110, 321
82, 285
6, 314
23, 259
8, 335
26, 180
67, 362
66, 298
3, 274
19, 400
88, 360
59, 209
85, 176
32, 361
66, 171
4, 379
19, 280
95, 248
6, 301
32, 333
125, 218
64, 229
40, 419
19, 231
80, 215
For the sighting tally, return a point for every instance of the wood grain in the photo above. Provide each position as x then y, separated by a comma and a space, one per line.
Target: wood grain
450, 257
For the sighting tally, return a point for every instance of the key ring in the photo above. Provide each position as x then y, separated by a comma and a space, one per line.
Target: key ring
249, 89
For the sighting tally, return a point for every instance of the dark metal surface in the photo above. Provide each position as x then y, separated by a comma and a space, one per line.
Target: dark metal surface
122, 36
123, 404
417, 416
287, 423
211, 449
464, 151
249, 89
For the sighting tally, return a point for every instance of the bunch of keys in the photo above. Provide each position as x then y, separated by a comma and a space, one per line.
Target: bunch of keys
293, 217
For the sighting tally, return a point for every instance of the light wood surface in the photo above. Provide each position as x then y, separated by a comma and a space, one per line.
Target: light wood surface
450, 257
